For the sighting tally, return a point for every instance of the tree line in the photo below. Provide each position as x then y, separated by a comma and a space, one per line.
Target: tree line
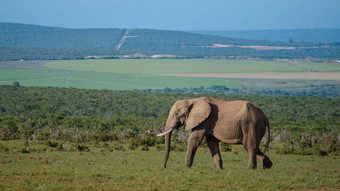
331, 90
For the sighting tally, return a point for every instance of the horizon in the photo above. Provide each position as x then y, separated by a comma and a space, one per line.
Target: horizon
176, 30
177, 15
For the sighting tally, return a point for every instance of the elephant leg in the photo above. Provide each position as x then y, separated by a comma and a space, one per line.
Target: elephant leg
266, 162
194, 141
252, 151
213, 144
252, 163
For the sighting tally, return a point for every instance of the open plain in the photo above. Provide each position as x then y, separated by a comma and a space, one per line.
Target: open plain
130, 74
45, 168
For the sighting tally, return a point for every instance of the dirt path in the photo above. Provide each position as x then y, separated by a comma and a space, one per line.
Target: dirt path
268, 75
124, 37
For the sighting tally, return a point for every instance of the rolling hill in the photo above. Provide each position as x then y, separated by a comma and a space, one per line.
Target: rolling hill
297, 35
21, 41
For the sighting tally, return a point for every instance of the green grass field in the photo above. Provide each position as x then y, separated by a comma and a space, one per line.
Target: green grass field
170, 66
44, 168
105, 80
129, 74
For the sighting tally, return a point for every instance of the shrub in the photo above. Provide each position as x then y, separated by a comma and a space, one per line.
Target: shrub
16, 84
4, 148
145, 148
160, 147
133, 144
80, 148
25, 150
118, 147
107, 147
60, 147
42, 136
148, 140
51, 144
104, 137
26, 143
179, 148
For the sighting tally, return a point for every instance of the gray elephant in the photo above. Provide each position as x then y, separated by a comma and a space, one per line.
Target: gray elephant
232, 122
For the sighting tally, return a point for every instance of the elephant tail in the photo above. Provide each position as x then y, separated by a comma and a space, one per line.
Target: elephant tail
266, 149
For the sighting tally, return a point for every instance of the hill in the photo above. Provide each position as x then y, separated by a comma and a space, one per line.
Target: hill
21, 41
297, 35
34, 36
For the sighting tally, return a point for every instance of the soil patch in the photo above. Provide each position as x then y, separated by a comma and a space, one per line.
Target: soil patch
267, 75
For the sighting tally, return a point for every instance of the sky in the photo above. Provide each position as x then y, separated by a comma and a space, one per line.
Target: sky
175, 14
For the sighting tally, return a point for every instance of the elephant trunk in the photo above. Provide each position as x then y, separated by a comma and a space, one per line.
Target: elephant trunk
171, 124
167, 148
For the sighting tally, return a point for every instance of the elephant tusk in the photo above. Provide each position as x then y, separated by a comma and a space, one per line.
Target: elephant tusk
165, 133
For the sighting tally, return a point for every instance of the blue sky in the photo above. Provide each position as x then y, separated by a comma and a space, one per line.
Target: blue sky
175, 14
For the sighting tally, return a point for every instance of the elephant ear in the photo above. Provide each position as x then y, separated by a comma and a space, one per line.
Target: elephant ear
200, 111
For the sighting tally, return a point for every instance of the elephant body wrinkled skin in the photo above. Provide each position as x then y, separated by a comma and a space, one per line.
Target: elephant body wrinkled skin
232, 122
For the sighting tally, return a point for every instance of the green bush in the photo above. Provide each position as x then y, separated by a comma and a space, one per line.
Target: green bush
60, 147
118, 147
51, 144
160, 147
25, 150
179, 148
148, 141
132, 144
4, 148
104, 136
81, 148
42, 136
144, 148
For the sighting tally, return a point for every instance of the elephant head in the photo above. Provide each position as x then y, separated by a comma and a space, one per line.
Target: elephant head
187, 113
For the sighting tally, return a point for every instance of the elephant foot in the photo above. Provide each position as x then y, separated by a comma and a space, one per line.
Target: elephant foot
251, 167
187, 166
267, 163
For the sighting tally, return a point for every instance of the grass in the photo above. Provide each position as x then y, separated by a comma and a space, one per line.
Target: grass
129, 74
101, 80
168, 66
142, 170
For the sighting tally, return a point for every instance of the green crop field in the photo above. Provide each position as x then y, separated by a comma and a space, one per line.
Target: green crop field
45, 168
170, 66
129, 74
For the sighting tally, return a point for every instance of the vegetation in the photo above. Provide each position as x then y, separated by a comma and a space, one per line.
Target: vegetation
24, 53
304, 125
33, 36
54, 138
45, 168
175, 66
295, 35
144, 75
31, 42
332, 90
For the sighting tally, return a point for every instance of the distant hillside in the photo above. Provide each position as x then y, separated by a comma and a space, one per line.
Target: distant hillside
297, 35
21, 41
34, 36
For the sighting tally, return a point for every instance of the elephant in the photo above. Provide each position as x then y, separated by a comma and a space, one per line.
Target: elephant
232, 122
